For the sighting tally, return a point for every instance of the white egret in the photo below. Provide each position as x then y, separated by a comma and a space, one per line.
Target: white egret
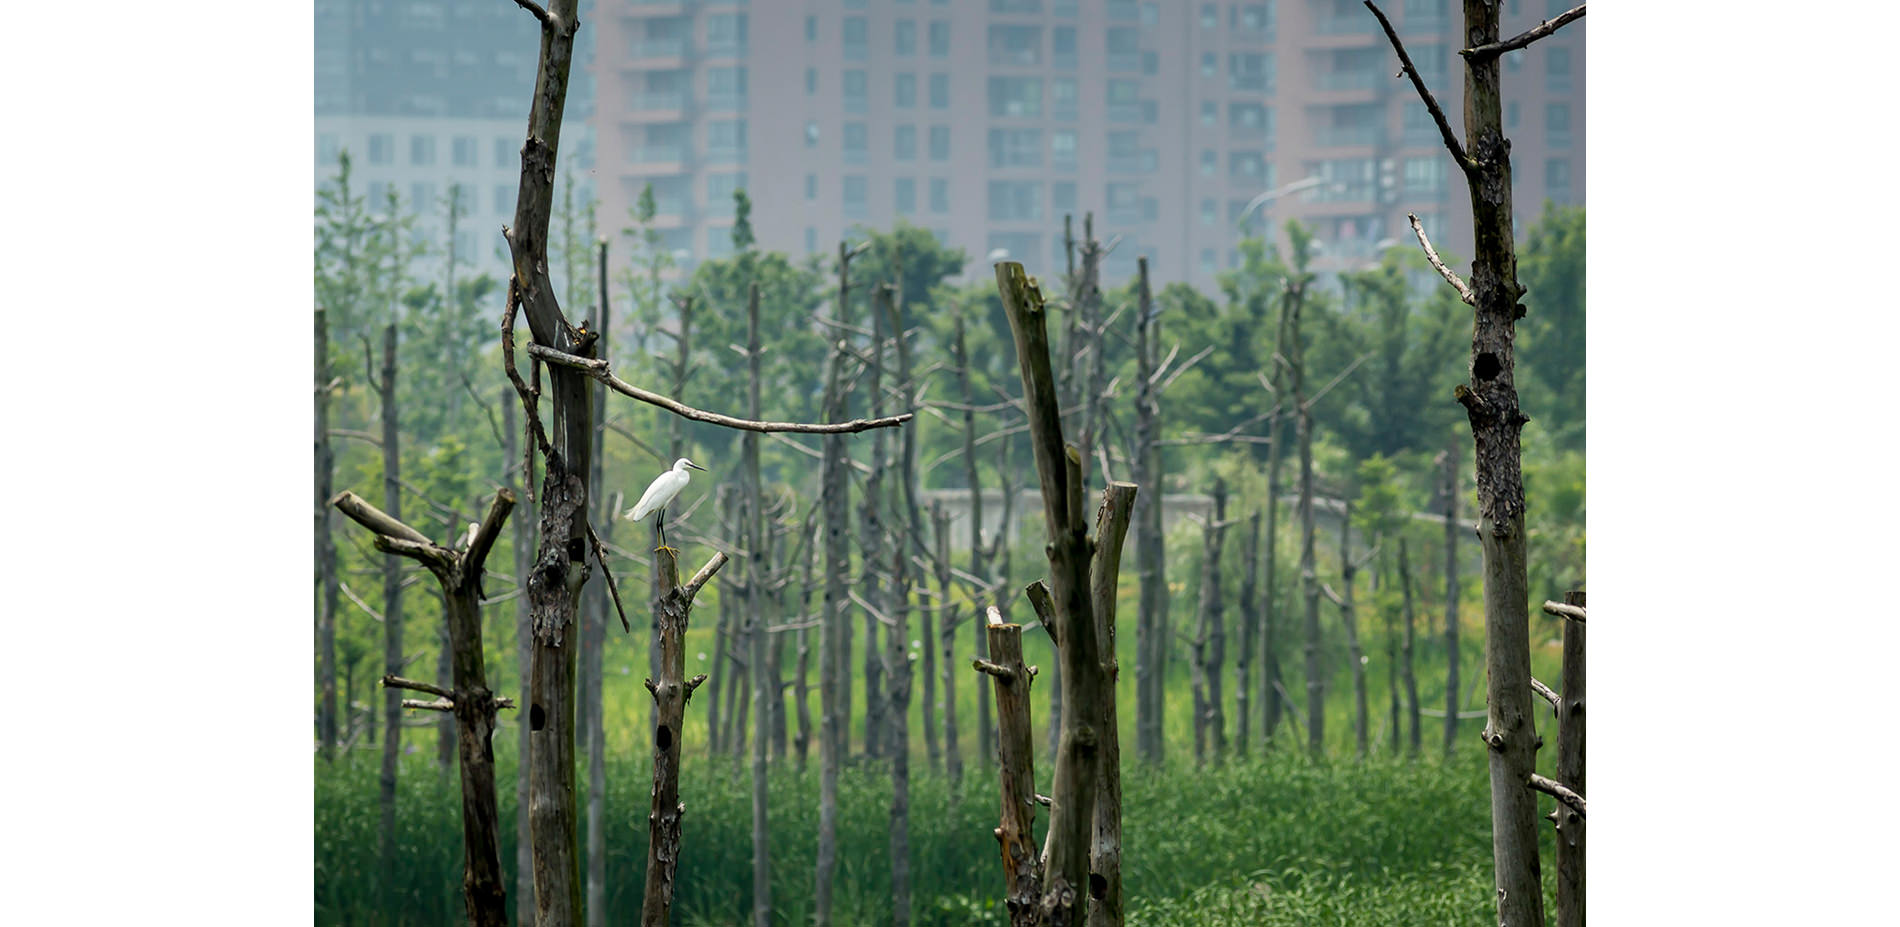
661, 491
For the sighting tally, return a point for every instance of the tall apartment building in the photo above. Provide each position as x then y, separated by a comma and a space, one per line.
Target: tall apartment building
429, 93
987, 120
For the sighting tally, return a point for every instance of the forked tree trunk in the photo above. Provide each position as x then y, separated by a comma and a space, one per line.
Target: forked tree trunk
470, 701
1150, 558
392, 618
327, 582
1570, 773
670, 693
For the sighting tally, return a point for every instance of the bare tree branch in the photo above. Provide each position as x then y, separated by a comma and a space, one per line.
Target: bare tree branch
1558, 791
1524, 38
600, 557
393, 681
375, 519
547, 22
1573, 612
345, 588
599, 370
705, 573
1184, 368
1464, 292
1545, 691
1431, 103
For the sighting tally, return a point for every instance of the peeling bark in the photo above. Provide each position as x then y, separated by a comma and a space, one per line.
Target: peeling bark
670, 694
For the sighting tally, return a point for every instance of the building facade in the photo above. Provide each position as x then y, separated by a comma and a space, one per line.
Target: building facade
987, 120
425, 94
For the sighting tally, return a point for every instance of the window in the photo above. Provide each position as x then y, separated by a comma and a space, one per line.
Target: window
506, 150
1348, 180
1207, 260
1425, 178
1209, 67
811, 28
719, 191
1015, 96
1419, 128
1210, 17
856, 39
1150, 14
811, 240
1210, 162
906, 90
939, 195
1124, 102
463, 149
1015, 147
1557, 76
1246, 120
1125, 154
1253, 17
1207, 212
1063, 40
422, 149
906, 37
939, 91
1015, 6
725, 88
1015, 45
1062, 97
811, 187
1557, 174
1253, 71
1124, 49
857, 148
1015, 199
905, 195
811, 133
854, 195
1431, 62
725, 141
857, 97
378, 193
904, 148
939, 143
1210, 112
1246, 166
328, 148
421, 196
939, 38
1557, 125
1062, 148
726, 33
1123, 202
1062, 196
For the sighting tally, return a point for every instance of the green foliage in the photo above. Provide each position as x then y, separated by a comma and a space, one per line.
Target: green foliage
1550, 339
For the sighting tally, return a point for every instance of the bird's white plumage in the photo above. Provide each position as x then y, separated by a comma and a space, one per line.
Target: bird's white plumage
663, 489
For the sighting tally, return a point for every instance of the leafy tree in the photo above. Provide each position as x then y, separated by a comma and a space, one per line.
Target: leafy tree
1550, 340
1399, 398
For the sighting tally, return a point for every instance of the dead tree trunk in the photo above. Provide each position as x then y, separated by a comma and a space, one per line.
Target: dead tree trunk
670, 694
1067, 847
521, 551
1570, 773
1210, 637
1105, 853
801, 686
1249, 631
1450, 460
1349, 616
470, 701
445, 726
871, 538
897, 742
1491, 405
327, 582
1271, 685
1309, 578
1022, 871
1406, 669
764, 690
952, 754
594, 640
392, 612
984, 736
913, 536
1150, 558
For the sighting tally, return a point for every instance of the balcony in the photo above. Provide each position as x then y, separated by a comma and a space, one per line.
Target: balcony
661, 154
726, 102
660, 48
1350, 136
660, 100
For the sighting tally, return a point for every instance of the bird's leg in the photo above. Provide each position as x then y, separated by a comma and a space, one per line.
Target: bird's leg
660, 523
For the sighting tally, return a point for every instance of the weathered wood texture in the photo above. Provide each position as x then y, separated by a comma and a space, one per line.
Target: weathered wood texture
978, 554
392, 610
472, 703
1249, 633
327, 581
1150, 558
1105, 853
765, 689
670, 692
594, 634
1450, 489
522, 555
1010, 678
1570, 856
1407, 647
1349, 617
1271, 687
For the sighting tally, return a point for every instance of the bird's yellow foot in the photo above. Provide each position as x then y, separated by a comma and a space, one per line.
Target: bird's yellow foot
667, 547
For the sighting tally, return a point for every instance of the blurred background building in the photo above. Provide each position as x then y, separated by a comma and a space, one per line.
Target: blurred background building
982, 120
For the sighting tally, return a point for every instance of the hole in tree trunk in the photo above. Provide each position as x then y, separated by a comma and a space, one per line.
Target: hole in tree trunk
1486, 366
1098, 886
663, 737
536, 717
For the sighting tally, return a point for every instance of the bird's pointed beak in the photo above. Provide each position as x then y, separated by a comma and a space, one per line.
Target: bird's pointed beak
696, 466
